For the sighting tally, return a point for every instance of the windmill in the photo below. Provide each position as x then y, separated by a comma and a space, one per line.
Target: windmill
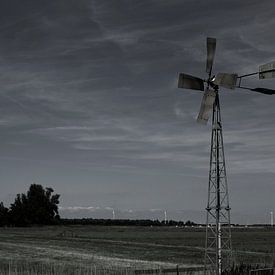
218, 247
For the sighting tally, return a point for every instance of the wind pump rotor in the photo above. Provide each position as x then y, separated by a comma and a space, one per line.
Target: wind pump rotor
211, 85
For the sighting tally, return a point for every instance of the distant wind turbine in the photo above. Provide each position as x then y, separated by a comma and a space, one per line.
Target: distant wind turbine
113, 211
114, 216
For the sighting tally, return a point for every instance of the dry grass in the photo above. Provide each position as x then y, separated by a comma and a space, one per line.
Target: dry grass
50, 268
118, 250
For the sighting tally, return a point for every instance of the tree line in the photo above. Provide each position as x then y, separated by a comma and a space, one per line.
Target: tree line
125, 222
39, 206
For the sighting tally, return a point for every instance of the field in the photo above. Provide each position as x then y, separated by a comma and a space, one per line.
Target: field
118, 250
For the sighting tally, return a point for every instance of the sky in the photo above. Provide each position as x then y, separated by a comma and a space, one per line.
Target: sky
89, 104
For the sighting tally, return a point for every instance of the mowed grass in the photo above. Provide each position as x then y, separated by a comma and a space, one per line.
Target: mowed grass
116, 247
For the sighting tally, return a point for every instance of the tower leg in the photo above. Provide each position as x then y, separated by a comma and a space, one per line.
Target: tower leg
218, 247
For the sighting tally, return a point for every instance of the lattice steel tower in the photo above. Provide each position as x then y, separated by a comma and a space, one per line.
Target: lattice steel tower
218, 253
218, 247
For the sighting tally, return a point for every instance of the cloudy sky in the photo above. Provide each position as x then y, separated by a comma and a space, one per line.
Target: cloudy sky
89, 102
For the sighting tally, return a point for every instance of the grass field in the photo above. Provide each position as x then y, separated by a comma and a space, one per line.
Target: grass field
122, 248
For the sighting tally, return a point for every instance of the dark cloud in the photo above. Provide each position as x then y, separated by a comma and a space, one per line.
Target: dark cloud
89, 100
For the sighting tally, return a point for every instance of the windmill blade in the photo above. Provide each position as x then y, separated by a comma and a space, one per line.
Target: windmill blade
264, 91
206, 106
211, 48
190, 82
225, 80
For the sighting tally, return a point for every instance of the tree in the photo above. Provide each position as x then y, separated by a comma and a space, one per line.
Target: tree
4, 215
38, 206
18, 211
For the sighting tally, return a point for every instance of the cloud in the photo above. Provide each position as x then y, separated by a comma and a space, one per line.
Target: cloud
78, 208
